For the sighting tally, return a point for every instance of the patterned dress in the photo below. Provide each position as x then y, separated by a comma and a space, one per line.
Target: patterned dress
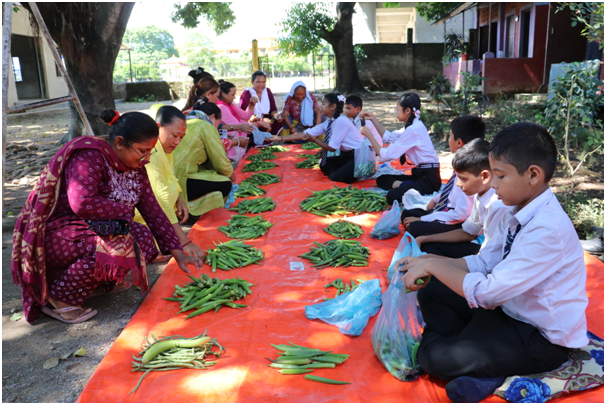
74, 261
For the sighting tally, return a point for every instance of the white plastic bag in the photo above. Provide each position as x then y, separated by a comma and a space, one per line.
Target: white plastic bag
413, 199
365, 161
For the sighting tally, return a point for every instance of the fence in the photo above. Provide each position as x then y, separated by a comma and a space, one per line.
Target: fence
323, 66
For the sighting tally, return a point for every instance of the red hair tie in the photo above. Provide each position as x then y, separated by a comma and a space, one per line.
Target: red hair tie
116, 117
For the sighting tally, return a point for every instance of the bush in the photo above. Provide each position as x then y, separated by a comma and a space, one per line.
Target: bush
463, 101
584, 212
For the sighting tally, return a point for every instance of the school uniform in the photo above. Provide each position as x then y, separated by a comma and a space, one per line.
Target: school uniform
368, 124
453, 207
486, 212
524, 304
414, 144
341, 135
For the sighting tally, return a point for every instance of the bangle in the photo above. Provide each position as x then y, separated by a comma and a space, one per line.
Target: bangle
231, 127
186, 243
238, 140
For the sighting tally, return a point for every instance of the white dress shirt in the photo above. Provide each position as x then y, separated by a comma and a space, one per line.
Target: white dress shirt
458, 208
542, 280
358, 123
485, 215
414, 141
343, 134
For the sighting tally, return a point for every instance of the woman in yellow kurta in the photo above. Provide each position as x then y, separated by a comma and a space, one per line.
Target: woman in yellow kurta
161, 174
204, 172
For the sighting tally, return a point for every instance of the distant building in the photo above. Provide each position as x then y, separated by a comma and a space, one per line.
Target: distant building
174, 69
266, 48
375, 24
33, 74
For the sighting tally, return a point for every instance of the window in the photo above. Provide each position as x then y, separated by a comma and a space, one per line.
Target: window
525, 34
17, 69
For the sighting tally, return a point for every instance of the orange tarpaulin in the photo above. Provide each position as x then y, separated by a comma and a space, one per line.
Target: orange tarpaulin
276, 314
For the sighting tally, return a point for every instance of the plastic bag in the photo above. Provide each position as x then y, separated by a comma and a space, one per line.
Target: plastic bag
407, 247
413, 199
365, 161
350, 311
232, 195
259, 136
396, 335
377, 190
236, 153
333, 154
388, 226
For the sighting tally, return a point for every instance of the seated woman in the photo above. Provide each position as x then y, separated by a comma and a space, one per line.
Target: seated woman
204, 172
76, 231
198, 74
161, 175
232, 115
265, 108
300, 110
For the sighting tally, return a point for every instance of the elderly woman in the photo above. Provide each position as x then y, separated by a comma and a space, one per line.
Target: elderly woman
76, 231
265, 104
301, 110
204, 172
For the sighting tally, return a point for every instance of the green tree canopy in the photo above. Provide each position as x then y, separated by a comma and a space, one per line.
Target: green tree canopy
434, 11
219, 15
303, 29
151, 40
197, 50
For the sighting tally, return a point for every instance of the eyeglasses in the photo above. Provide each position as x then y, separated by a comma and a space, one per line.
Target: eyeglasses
144, 157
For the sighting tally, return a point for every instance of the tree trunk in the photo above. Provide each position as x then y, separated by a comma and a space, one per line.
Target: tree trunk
341, 39
89, 36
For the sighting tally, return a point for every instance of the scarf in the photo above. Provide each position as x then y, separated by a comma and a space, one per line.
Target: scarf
307, 105
262, 107
115, 255
231, 109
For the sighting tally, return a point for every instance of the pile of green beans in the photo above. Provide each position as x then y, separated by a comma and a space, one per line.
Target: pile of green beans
308, 156
308, 164
249, 190
274, 149
263, 155
206, 293
243, 227
261, 179
344, 230
255, 205
259, 165
338, 253
393, 361
295, 359
174, 353
342, 201
233, 254
343, 287
310, 146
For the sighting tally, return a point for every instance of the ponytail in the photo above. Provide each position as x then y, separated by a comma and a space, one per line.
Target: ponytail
412, 101
134, 127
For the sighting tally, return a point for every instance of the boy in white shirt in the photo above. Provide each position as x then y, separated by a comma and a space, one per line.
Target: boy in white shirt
472, 166
514, 311
448, 209
353, 111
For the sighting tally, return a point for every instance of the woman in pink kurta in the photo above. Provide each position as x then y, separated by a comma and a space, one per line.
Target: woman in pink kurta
76, 232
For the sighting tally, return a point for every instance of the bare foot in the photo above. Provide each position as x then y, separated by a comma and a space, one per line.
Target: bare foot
69, 316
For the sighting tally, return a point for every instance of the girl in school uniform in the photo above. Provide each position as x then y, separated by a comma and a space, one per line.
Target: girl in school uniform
341, 135
412, 142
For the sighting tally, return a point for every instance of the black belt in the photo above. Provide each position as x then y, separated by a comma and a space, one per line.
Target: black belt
429, 166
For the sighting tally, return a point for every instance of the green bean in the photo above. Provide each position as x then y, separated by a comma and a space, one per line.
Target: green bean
344, 230
315, 378
308, 164
259, 165
255, 206
261, 179
342, 201
274, 149
263, 155
338, 253
249, 190
244, 227
310, 146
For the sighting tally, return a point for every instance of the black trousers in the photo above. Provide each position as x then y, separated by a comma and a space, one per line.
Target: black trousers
425, 181
452, 250
340, 168
419, 228
460, 341
198, 188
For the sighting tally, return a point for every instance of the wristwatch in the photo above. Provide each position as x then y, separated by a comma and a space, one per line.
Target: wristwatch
232, 127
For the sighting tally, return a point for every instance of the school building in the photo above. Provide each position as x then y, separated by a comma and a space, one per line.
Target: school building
513, 45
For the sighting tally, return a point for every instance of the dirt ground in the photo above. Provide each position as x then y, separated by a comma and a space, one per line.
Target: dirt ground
26, 347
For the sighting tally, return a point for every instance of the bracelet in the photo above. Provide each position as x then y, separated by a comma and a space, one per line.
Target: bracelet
186, 243
232, 127
238, 140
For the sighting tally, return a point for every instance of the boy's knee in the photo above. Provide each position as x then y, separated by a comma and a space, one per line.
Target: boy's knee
416, 228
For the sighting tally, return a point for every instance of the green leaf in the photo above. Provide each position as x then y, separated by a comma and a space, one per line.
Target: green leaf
51, 363
80, 352
16, 316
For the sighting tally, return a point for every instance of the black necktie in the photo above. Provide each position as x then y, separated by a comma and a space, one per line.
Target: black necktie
509, 240
443, 204
326, 139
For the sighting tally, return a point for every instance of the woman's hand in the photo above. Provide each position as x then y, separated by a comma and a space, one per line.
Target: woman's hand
366, 132
193, 250
253, 101
233, 177
182, 210
308, 137
275, 138
266, 120
265, 125
254, 118
183, 260
369, 115
244, 128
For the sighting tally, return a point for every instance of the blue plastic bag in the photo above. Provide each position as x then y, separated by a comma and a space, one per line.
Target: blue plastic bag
350, 311
396, 335
407, 247
260, 136
377, 190
388, 225
232, 195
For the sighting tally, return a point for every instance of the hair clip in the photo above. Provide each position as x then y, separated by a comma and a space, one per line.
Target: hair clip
341, 98
116, 117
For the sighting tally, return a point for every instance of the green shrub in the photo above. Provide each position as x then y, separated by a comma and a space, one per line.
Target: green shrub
584, 212
463, 101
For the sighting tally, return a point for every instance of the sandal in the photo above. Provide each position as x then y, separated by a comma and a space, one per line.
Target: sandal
117, 288
56, 313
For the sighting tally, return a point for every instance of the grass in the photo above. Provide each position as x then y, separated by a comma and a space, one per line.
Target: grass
584, 212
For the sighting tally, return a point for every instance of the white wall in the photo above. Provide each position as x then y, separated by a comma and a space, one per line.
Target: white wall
364, 23
55, 86
455, 25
